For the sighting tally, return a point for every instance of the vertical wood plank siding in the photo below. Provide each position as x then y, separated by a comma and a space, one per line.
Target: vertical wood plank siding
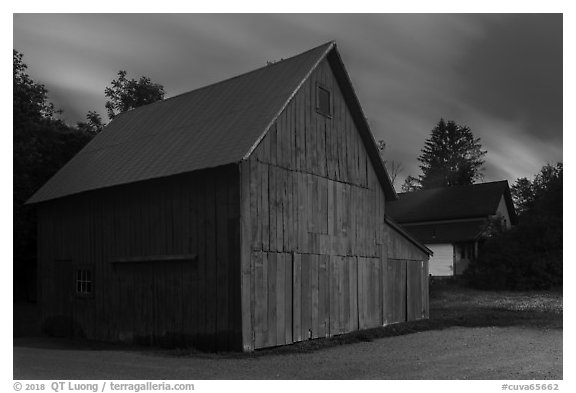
406, 284
174, 302
288, 245
317, 211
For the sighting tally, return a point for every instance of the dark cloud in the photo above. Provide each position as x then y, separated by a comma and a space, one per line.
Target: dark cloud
499, 74
515, 72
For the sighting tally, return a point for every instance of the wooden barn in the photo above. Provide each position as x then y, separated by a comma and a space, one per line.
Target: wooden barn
451, 221
245, 214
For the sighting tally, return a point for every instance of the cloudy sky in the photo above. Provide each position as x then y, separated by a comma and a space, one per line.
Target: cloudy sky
500, 74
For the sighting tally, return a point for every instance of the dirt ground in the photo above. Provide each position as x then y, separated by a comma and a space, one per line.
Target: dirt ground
454, 353
470, 335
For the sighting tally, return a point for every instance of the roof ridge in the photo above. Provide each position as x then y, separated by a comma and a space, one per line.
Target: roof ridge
329, 43
443, 203
457, 186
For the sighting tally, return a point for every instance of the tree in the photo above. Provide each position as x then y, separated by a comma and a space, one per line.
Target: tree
451, 156
30, 99
411, 183
126, 94
392, 167
541, 196
522, 195
123, 95
93, 125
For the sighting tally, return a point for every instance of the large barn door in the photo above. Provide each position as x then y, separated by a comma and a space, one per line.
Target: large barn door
297, 297
273, 298
415, 290
302, 296
369, 306
406, 293
343, 303
395, 293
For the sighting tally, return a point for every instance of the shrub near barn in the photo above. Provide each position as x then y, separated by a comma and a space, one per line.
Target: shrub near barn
530, 255
526, 257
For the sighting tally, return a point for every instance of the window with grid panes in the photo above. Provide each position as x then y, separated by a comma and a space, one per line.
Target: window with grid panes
84, 282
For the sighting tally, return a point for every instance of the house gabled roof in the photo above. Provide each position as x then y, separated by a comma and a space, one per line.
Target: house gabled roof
447, 232
205, 128
451, 203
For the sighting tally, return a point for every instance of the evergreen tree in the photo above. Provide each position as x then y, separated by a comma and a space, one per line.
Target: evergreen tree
451, 156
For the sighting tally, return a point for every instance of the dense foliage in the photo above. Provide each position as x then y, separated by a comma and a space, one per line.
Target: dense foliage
528, 256
541, 196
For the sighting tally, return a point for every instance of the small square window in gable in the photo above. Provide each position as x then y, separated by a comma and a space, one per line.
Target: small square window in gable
323, 101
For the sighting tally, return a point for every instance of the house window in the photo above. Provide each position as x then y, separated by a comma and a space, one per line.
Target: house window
467, 251
323, 101
84, 283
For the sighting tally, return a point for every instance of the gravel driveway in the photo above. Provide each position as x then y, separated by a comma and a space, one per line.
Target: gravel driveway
452, 353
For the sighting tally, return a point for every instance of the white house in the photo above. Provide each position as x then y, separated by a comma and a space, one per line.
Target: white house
450, 221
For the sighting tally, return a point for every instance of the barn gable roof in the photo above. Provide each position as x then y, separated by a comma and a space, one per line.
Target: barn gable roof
451, 203
205, 128
407, 235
